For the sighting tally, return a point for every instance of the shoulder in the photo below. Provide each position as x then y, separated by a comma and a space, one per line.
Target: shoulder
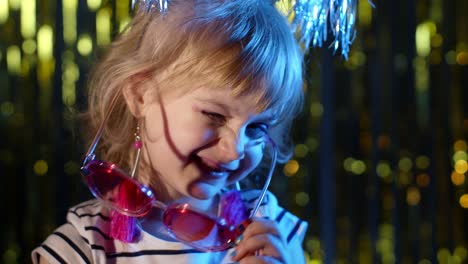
64, 245
292, 227
71, 242
90, 217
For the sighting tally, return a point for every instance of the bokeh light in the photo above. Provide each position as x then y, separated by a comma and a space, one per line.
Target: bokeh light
461, 252
29, 46
405, 164
443, 255
460, 145
7, 108
45, 43
15, 4
41, 167
302, 198
316, 109
312, 143
4, 11
28, 18
457, 178
451, 57
85, 45
423, 38
462, 58
422, 162
291, 167
413, 196
436, 40
347, 163
423, 180
103, 26
383, 141
364, 13
461, 166
358, 167
464, 201
460, 155
383, 169
301, 150
70, 21
94, 5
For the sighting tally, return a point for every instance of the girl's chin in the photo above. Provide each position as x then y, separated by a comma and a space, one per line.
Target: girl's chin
203, 190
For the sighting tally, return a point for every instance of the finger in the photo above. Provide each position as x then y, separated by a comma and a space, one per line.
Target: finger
261, 226
259, 259
263, 244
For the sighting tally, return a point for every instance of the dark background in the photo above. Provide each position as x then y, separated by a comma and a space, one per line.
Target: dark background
380, 162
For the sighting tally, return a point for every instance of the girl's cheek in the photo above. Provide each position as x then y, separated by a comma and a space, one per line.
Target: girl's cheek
256, 155
253, 157
197, 136
207, 134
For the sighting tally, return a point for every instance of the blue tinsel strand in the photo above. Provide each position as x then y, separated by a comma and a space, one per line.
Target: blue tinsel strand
149, 4
311, 17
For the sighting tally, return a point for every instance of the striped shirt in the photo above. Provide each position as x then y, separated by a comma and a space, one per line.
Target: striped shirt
84, 239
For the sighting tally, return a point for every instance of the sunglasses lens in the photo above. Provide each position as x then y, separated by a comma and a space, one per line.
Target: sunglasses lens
196, 229
121, 192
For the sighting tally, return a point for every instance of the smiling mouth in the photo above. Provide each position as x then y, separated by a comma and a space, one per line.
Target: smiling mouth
208, 167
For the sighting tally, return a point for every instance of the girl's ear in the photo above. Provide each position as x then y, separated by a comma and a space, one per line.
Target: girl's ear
134, 93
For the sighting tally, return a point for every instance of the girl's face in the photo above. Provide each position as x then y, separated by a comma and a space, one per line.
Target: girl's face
201, 141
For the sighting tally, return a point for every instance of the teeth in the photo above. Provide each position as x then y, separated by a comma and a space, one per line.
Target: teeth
217, 174
211, 168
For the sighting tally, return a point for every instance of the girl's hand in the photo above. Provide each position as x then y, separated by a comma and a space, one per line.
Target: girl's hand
261, 242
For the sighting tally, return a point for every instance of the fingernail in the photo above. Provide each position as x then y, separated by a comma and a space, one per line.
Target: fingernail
233, 253
239, 239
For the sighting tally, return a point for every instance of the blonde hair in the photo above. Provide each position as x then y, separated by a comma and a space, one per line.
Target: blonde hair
243, 44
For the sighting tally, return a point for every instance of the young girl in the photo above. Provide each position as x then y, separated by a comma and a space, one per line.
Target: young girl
186, 104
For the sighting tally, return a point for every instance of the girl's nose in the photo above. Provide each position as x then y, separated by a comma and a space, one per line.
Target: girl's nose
232, 146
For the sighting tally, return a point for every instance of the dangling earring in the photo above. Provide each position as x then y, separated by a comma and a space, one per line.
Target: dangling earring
124, 227
137, 145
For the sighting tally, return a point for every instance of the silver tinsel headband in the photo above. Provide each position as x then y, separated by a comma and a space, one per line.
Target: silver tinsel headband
310, 19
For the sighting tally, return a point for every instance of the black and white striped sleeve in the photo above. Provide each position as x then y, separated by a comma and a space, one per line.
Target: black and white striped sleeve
65, 245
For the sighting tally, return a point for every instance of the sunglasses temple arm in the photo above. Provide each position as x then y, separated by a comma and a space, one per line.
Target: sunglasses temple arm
159, 204
96, 138
270, 175
92, 148
137, 161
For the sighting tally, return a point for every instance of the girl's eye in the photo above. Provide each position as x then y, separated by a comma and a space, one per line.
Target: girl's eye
216, 118
257, 130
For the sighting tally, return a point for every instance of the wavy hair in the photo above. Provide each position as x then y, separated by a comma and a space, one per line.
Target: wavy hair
243, 44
